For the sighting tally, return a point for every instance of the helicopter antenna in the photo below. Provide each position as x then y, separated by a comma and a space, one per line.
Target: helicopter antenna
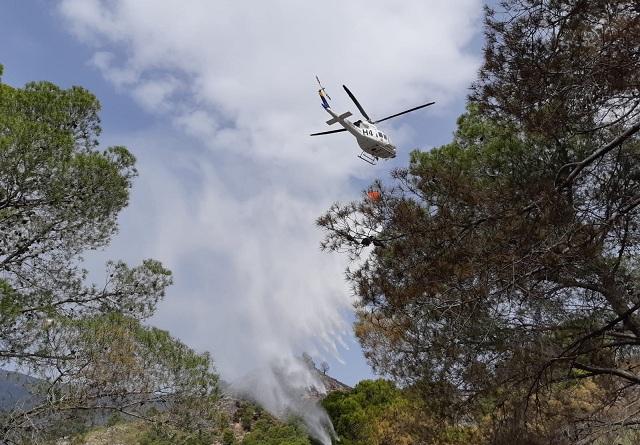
322, 90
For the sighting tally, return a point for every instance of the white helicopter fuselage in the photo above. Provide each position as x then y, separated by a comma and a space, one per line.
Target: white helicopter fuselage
371, 140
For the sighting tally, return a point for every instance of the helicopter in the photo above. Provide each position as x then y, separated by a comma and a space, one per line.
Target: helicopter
373, 142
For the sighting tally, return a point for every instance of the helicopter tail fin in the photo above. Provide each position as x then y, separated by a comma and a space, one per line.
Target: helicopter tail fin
324, 97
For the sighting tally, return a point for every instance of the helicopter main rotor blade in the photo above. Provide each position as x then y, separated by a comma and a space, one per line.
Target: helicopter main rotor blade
328, 132
404, 112
355, 101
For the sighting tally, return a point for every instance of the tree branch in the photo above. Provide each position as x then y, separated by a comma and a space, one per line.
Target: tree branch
596, 154
596, 370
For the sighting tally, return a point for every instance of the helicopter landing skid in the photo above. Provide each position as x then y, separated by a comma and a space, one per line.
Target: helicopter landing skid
366, 157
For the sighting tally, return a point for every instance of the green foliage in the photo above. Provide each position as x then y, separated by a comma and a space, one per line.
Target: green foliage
114, 419
56, 191
246, 416
10, 305
228, 438
352, 413
266, 432
355, 414
376, 412
162, 436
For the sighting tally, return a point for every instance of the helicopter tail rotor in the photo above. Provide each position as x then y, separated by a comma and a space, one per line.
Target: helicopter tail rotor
323, 94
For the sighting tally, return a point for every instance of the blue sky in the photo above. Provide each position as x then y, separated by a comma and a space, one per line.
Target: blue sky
216, 101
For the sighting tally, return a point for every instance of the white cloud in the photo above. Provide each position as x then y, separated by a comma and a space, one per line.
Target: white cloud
228, 195
103, 60
154, 95
254, 65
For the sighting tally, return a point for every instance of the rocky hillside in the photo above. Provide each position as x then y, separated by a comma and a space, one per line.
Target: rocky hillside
332, 384
16, 389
